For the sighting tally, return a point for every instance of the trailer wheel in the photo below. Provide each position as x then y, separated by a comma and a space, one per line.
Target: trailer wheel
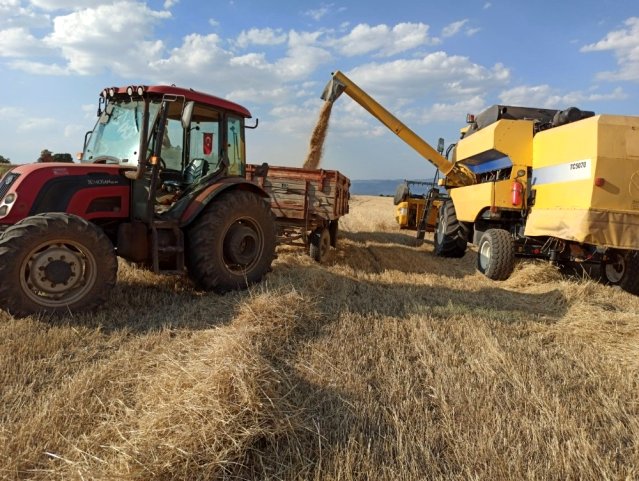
320, 244
450, 236
232, 242
56, 263
333, 229
496, 256
622, 270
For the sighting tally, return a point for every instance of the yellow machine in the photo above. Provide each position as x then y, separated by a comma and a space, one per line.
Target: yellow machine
526, 182
409, 205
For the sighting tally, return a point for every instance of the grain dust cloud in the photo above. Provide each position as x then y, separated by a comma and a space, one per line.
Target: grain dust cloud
314, 155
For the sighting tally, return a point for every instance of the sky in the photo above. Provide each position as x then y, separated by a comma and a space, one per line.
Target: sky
428, 62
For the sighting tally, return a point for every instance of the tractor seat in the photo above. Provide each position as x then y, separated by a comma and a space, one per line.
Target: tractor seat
195, 170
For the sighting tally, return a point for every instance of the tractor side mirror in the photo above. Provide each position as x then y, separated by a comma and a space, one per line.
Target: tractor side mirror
440, 145
187, 113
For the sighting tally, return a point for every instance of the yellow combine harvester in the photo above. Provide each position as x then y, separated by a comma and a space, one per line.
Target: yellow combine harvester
526, 182
409, 205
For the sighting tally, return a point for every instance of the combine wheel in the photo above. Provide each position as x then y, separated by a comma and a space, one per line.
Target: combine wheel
232, 243
55, 263
401, 194
320, 244
622, 269
450, 237
496, 256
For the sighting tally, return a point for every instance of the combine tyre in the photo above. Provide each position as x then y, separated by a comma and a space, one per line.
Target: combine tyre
496, 257
232, 243
622, 269
450, 235
401, 194
55, 263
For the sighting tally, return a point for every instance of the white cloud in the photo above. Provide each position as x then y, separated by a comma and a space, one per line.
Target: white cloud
67, 4
24, 123
454, 111
39, 68
213, 22
264, 36
170, 3
18, 42
435, 74
487, 5
86, 40
453, 28
318, 13
544, 96
303, 56
382, 39
624, 43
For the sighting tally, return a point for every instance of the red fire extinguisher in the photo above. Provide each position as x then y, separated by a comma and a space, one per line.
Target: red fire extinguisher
517, 193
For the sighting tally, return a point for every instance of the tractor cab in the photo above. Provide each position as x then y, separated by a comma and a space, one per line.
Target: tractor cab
168, 139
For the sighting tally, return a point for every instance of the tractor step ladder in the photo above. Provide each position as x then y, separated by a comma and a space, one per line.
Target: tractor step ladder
176, 249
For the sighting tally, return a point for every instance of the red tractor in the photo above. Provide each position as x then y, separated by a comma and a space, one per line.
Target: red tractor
161, 183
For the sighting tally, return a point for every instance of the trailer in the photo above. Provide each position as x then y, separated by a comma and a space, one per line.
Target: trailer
306, 203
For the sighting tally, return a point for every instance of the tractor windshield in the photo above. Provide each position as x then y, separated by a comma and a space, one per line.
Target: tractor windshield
116, 136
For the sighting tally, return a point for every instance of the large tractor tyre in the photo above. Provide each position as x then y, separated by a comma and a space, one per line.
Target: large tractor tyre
450, 235
401, 194
622, 269
320, 244
496, 254
55, 263
232, 243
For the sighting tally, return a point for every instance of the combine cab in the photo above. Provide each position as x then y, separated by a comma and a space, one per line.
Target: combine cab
161, 183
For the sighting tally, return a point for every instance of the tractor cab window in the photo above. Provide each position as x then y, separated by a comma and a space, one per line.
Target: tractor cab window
172, 145
204, 144
116, 135
235, 145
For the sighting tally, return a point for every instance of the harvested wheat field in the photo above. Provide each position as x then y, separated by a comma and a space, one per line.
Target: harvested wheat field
386, 363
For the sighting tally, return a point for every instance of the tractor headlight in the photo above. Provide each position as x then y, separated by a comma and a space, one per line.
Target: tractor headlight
10, 198
403, 211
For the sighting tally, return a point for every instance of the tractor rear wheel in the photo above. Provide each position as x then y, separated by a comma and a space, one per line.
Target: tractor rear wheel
320, 244
622, 269
450, 235
55, 262
496, 256
232, 243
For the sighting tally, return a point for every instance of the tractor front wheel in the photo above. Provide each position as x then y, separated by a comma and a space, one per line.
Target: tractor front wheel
232, 243
55, 262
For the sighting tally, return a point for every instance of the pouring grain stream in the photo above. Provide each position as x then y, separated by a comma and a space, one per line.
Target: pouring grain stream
314, 155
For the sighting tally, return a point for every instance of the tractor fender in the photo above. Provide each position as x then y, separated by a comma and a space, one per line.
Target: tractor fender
203, 197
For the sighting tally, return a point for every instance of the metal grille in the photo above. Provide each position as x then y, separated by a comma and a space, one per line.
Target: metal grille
5, 183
